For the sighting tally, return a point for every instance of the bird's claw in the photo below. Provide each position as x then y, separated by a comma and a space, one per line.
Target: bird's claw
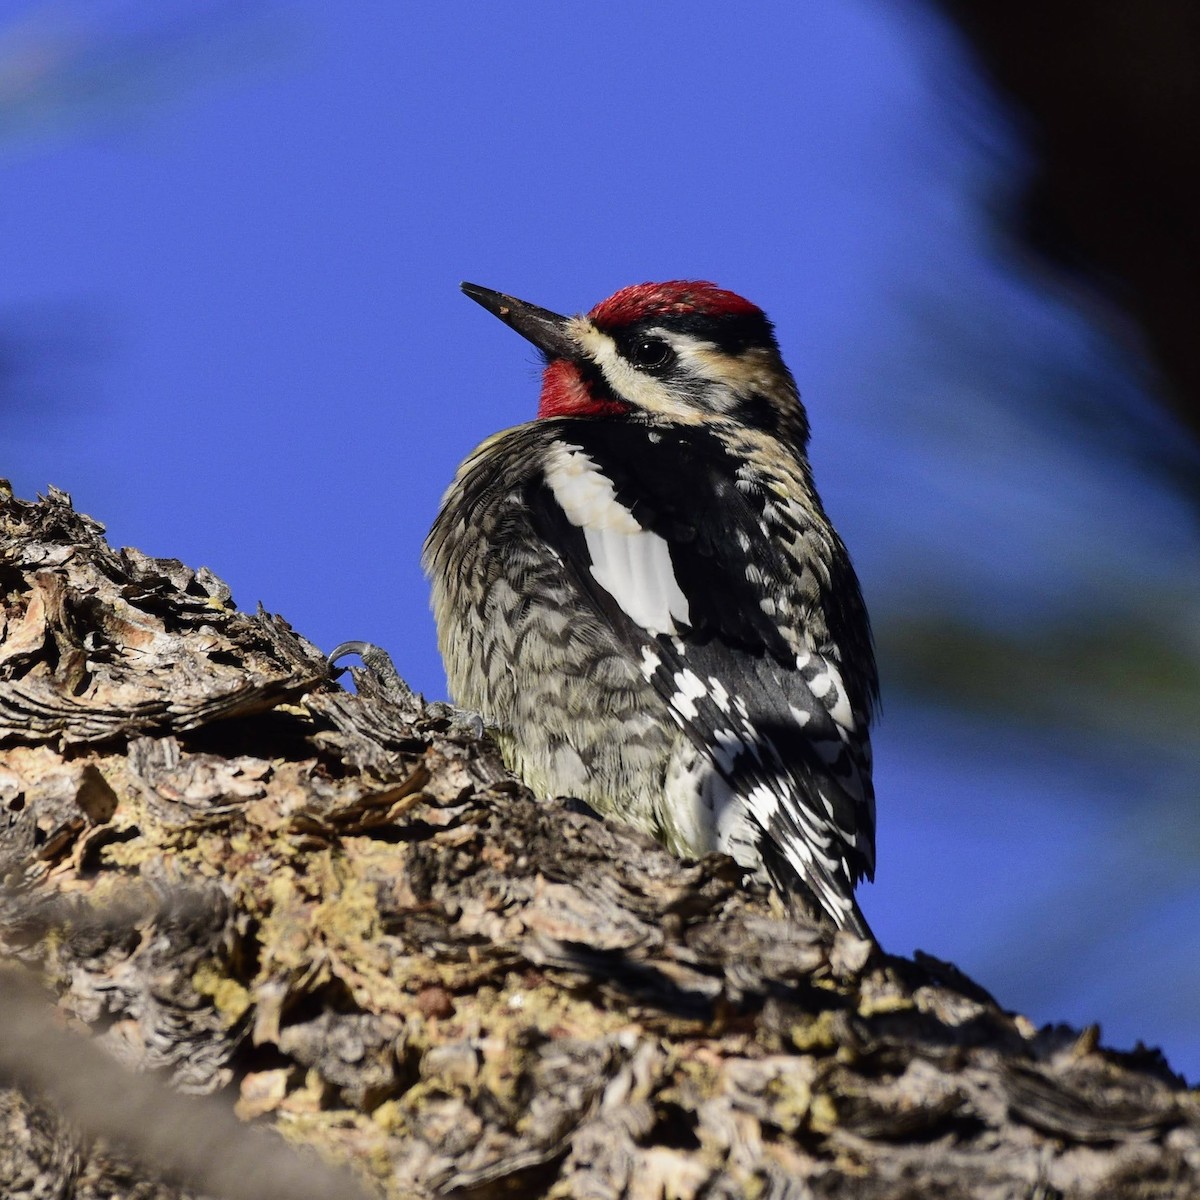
379, 663
387, 679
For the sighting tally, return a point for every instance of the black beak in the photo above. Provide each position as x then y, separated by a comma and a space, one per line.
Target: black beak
546, 330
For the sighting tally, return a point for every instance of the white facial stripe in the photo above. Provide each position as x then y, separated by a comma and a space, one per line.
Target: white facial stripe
632, 564
626, 380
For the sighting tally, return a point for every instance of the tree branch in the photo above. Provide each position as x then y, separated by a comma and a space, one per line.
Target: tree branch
339, 912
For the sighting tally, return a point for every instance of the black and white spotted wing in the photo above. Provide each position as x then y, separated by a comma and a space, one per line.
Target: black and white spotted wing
693, 581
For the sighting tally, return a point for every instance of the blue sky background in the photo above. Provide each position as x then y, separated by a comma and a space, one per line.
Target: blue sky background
233, 237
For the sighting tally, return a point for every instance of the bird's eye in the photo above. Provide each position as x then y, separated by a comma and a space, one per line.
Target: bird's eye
650, 353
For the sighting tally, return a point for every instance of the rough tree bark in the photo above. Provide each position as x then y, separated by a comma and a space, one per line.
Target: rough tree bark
339, 913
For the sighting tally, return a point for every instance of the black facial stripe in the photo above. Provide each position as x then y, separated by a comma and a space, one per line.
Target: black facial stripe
732, 333
597, 385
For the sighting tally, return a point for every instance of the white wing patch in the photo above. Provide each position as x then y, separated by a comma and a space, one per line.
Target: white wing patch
586, 494
632, 564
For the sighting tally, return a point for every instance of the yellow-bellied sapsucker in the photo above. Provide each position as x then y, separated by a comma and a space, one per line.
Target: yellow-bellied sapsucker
641, 593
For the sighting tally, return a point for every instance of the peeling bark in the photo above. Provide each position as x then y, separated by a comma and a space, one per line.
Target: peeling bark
338, 913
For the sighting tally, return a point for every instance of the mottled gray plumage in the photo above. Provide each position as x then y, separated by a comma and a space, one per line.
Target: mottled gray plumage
641, 593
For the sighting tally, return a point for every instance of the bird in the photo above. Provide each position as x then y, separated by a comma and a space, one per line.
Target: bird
641, 595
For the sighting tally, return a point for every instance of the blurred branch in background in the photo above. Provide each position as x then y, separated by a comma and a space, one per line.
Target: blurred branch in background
84, 1095
67, 64
1095, 391
1107, 676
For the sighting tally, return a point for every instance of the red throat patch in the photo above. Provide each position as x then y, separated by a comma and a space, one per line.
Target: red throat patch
565, 393
680, 297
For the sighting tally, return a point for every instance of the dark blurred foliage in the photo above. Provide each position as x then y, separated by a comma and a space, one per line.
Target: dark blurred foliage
1108, 96
1104, 674
1106, 100
1103, 668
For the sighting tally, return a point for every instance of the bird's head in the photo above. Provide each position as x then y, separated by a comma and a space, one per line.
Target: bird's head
686, 351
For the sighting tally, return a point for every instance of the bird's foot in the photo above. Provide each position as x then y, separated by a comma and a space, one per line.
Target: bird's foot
381, 669
382, 673
461, 720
